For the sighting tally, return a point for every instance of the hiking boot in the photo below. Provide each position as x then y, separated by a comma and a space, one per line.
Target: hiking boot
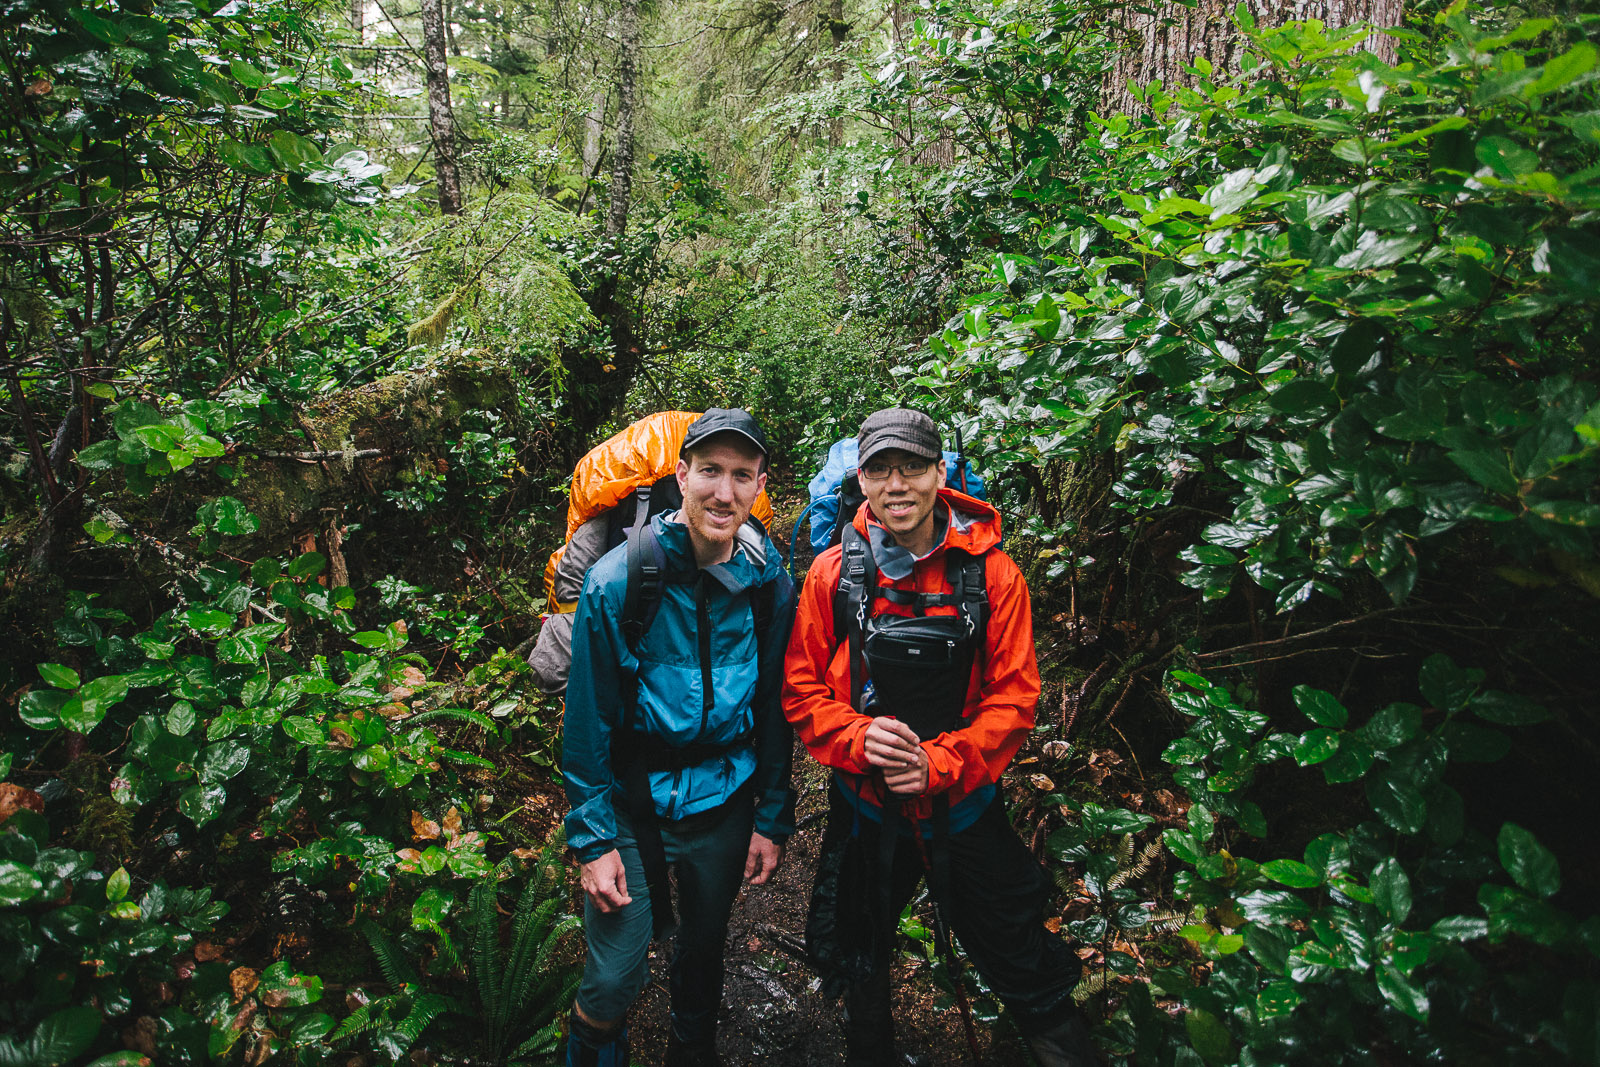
593, 1046
1064, 1044
680, 1054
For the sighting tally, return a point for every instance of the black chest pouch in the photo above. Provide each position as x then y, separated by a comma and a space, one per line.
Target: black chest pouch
919, 668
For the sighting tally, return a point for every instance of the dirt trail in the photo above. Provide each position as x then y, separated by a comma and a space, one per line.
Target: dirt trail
772, 1011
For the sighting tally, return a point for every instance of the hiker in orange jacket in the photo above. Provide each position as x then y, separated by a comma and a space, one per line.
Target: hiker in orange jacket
911, 673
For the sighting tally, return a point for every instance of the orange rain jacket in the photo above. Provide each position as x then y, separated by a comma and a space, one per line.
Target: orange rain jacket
1001, 693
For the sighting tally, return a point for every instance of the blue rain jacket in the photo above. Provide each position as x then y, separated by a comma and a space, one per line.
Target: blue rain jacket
667, 671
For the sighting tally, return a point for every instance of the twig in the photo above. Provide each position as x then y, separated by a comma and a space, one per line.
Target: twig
1254, 645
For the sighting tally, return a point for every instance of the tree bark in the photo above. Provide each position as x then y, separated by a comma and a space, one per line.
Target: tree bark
838, 29
627, 102
593, 126
358, 20
441, 120
1160, 45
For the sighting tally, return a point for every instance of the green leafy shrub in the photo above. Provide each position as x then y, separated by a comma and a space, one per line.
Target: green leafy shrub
81, 954
1391, 935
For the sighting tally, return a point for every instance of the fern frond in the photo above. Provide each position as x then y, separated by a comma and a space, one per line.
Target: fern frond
396, 968
1133, 871
357, 1022
543, 1043
447, 951
486, 954
424, 1010
464, 757
1091, 985
1167, 922
477, 718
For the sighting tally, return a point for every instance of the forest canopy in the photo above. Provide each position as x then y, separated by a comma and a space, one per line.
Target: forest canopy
1276, 342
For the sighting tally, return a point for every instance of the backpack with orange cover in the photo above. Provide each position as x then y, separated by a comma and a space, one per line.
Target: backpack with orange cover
620, 484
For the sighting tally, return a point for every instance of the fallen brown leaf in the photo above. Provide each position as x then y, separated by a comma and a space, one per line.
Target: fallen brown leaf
13, 798
422, 827
243, 982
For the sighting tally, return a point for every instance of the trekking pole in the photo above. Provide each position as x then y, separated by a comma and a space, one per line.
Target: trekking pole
961, 462
946, 947
942, 933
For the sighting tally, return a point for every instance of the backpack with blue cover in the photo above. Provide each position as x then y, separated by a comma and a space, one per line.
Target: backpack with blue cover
836, 493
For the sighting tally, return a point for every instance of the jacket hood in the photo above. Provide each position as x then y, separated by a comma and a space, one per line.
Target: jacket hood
755, 560
969, 524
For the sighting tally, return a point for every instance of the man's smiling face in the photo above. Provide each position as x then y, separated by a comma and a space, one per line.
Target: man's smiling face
903, 505
720, 481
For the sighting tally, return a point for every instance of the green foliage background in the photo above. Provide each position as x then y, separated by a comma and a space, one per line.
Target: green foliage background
1285, 384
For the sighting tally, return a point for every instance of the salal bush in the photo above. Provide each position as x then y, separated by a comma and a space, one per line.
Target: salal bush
1357, 299
1411, 934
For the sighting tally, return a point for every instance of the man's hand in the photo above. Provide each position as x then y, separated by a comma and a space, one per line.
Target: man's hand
606, 882
892, 747
761, 862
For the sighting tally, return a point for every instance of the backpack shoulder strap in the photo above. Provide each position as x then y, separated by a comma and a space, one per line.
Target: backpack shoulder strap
967, 576
852, 602
646, 576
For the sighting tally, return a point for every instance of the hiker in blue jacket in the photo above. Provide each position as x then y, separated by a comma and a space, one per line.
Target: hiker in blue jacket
675, 751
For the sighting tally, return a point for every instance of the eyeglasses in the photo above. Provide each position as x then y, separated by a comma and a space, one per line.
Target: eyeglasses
877, 470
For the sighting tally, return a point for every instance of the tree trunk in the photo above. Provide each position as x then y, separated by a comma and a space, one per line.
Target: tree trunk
1160, 45
594, 124
441, 120
838, 29
627, 101
358, 20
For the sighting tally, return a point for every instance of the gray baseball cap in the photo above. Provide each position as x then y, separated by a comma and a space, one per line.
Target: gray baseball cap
903, 428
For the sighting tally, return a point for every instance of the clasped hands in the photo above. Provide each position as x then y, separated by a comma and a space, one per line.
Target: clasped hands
893, 748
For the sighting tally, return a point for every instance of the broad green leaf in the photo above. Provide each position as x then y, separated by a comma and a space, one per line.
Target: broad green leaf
181, 719
292, 151
1566, 512
1316, 746
117, 885
1273, 906
247, 75
1530, 864
304, 730
202, 803
41, 708
1209, 1037
100, 456
1320, 707
64, 1035
1400, 992
1460, 928
1397, 801
1563, 70
1391, 890
1278, 997
1393, 726
1489, 467
223, 760
307, 566
1446, 685
1505, 157
207, 621
430, 909
1507, 709
59, 676
247, 158
1291, 873
17, 883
